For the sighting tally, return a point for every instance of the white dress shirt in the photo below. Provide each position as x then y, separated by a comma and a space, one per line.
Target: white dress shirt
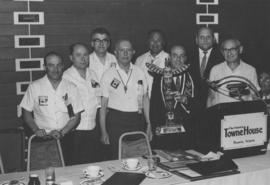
201, 55
98, 67
49, 105
222, 70
88, 91
158, 60
113, 87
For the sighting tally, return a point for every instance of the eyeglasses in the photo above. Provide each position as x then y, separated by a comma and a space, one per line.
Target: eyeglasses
231, 50
98, 41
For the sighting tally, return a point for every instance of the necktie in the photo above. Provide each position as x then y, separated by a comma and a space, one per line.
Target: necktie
203, 64
177, 84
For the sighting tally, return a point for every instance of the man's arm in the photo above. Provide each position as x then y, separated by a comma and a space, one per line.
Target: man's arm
71, 124
29, 120
103, 112
146, 110
210, 98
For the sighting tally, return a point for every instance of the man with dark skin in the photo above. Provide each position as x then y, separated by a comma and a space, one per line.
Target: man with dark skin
156, 55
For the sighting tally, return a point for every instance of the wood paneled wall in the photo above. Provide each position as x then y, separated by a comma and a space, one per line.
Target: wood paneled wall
69, 21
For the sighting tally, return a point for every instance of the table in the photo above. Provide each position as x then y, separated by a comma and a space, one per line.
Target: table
254, 170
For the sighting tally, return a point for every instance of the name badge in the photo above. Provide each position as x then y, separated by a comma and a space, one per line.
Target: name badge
43, 100
115, 83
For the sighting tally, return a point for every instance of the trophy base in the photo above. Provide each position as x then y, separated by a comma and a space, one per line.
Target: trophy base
170, 129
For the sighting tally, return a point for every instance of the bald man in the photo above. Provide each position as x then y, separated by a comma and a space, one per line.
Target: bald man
120, 103
183, 85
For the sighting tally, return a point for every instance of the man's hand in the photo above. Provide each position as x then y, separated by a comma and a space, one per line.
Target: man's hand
105, 138
41, 133
55, 134
149, 132
181, 98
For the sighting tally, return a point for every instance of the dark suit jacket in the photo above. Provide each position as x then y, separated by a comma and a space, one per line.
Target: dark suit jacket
201, 89
158, 118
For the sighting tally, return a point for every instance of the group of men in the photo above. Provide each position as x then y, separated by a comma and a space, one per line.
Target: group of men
102, 95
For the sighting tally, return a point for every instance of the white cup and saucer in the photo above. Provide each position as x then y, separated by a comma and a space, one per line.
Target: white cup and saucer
93, 172
131, 164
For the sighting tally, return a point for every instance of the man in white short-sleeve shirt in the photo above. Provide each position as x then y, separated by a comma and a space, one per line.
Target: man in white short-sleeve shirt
155, 55
85, 137
55, 102
100, 59
125, 97
232, 66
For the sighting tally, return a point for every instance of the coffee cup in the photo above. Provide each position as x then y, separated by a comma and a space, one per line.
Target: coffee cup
92, 171
132, 163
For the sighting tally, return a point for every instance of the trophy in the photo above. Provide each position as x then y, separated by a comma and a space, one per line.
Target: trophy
168, 95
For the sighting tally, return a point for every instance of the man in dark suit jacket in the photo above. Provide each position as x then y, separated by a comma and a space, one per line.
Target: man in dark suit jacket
202, 59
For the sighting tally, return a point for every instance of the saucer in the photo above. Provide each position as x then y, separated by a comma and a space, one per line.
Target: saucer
8, 183
158, 174
125, 167
101, 174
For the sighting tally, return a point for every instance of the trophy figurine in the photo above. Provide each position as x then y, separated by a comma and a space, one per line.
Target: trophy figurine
168, 94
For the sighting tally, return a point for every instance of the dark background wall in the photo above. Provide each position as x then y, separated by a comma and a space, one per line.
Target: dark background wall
69, 21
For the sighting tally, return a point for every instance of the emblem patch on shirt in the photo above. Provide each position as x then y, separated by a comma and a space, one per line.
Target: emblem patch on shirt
115, 83
43, 100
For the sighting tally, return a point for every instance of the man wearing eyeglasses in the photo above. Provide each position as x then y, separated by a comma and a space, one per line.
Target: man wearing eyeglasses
232, 66
101, 59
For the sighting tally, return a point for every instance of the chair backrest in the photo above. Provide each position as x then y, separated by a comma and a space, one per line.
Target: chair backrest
134, 148
29, 152
12, 148
1, 165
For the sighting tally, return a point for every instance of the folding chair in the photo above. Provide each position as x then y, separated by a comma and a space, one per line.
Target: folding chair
136, 148
1, 165
29, 152
12, 147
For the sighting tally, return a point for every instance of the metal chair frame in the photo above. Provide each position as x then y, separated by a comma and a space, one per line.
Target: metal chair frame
133, 133
29, 152
1, 165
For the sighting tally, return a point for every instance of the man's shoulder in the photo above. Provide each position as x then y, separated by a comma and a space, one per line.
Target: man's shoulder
68, 84
137, 69
68, 71
140, 59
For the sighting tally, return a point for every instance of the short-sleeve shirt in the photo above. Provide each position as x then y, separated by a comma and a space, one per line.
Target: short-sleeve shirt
112, 84
158, 60
49, 105
98, 67
222, 70
88, 93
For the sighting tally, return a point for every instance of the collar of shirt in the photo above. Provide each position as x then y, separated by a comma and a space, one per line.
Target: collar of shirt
238, 68
77, 75
50, 86
201, 54
123, 74
97, 66
98, 60
156, 57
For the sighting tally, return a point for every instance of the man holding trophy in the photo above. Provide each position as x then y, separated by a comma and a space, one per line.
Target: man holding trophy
172, 91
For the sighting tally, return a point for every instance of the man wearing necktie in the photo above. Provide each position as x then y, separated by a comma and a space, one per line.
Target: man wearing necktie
182, 85
202, 58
